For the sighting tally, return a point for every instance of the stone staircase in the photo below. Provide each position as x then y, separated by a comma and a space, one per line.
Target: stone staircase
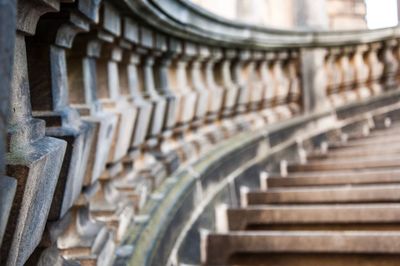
340, 207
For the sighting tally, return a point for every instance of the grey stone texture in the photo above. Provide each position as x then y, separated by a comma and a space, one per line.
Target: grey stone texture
106, 107
7, 31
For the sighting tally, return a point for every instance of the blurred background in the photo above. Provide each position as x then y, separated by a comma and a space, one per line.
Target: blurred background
308, 14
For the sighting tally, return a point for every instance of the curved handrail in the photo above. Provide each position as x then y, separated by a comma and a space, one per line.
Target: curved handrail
186, 20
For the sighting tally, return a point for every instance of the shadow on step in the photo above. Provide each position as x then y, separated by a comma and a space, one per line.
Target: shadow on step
300, 259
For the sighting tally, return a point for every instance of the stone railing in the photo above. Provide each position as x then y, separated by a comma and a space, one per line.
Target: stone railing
105, 99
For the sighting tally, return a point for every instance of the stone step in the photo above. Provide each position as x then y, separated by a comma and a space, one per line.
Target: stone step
351, 152
309, 247
330, 194
315, 217
385, 139
392, 130
362, 143
342, 164
359, 159
375, 176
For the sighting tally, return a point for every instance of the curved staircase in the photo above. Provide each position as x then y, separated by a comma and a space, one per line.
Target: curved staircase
341, 206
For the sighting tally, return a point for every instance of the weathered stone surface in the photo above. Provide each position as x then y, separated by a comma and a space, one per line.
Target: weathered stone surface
7, 31
36, 173
8, 187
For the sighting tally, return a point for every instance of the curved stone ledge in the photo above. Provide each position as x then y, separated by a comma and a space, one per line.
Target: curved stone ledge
182, 18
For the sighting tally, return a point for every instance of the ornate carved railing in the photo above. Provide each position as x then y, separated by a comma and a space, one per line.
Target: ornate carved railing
105, 99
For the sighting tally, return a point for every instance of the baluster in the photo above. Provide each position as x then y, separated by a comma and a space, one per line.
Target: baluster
225, 91
340, 78
390, 65
196, 137
375, 68
224, 79
257, 87
269, 88
239, 77
32, 159
397, 57
198, 83
361, 72
167, 50
147, 163
294, 96
282, 85
146, 78
216, 92
187, 96
348, 75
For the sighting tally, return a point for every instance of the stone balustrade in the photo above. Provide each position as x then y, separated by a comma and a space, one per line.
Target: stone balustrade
103, 100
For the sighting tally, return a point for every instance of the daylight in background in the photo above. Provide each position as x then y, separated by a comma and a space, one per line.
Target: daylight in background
308, 14
381, 13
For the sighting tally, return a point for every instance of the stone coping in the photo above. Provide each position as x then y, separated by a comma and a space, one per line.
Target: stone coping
186, 20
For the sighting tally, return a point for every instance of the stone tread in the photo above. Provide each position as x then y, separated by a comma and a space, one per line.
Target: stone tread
241, 218
331, 194
345, 242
